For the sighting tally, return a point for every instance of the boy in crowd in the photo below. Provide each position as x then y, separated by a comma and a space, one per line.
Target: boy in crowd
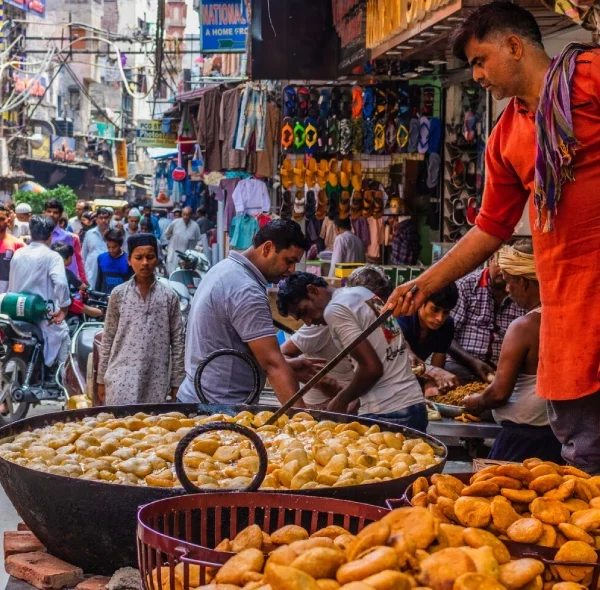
76, 287
429, 333
383, 380
113, 267
512, 396
146, 364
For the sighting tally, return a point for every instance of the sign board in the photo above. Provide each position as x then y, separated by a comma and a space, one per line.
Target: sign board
63, 149
150, 133
353, 40
36, 7
43, 151
224, 26
121, 158
25, 83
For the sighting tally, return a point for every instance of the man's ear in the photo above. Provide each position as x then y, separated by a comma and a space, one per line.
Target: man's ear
515, 46
267, 248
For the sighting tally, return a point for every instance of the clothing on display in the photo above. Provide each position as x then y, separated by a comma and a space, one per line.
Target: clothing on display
251, 197
208, 127
230, 106
406, 243
252, 119
242, 230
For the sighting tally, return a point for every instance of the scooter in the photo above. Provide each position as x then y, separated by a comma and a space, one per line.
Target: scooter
193, 267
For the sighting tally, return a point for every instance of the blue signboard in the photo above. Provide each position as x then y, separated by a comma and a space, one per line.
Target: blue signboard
37, 7
224, 26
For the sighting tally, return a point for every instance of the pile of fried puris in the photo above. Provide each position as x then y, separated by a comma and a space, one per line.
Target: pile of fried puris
408, 549
303, 453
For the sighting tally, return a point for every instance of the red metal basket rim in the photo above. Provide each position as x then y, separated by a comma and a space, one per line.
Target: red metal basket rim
168, 544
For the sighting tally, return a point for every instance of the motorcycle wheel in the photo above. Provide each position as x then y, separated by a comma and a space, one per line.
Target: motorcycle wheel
13, 372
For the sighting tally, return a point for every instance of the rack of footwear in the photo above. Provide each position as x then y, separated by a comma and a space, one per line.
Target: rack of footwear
464, 160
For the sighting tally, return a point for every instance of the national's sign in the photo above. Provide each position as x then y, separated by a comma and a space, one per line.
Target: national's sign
224, 26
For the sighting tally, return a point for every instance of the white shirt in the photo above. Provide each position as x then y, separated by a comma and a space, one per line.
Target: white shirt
38, 270
348, 247
315, 343
251, 197
93, 246
75, 224
181, 237
348, 314
20, 229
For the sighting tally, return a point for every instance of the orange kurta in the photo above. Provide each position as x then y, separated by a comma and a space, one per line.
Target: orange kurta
568, 258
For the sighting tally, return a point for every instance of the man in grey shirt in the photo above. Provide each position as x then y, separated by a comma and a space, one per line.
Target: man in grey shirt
231, 310
348, 247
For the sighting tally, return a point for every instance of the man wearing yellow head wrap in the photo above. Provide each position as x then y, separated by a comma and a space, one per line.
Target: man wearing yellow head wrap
512, 395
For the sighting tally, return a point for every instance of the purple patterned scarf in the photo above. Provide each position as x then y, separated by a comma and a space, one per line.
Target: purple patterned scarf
556, 143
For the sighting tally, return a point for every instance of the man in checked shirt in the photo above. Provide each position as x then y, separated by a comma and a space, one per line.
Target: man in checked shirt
481, 318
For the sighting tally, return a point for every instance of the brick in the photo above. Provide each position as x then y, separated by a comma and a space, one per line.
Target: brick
43, 571
22, 527
93, 583
21, 542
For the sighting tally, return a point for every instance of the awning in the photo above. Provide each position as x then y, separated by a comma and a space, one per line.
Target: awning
162, 153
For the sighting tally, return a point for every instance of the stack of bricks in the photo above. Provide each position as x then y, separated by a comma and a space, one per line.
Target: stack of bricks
26, 559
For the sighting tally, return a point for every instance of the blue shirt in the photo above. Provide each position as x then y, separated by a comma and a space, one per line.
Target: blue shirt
112, 272
435, 340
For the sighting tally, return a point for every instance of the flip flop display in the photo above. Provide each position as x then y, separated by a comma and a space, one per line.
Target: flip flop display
346, 103
323, 132
368, 203
390, 137
368, 103
299, 135
356, 205
286, 206
413, 136
333, 132
303, 98
345, 137
472, 211
313, 103
423, 145
311, 204
333, 197
402, 136
344, 206
321, 211
357, 136
324, 103
299, 206
336, 103
368, 137
311, 135
289, 102
357, 102
287, 135
379, 140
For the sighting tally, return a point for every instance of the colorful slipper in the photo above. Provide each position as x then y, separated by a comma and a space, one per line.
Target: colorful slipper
356, 205
286, 206
346, 103
324, 103
311, 205
368, 103
458, 212
287, 135
345, 137
287, 174
368, 203
299, 206
321, 211
435, 135
368, 136
472, 210
336, 103
413, 136
344, 205
289, 102
299, 135
303, 98
471, 175
357, 102
390, 137
311, 135
402, 136
458, 174
313, 103
322, 172
469, 126
333, 131
357, 136
333, 204
323, 141
379, 141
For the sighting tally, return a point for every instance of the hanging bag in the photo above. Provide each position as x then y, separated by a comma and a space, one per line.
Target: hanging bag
196, 165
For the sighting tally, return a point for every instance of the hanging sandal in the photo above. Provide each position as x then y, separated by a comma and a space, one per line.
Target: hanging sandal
368, 203
357, 102
286, 206
333, 131
323, 141
344, 205
289, 102
345, 137
299, 206
303, 98
322, 205
401, 136
458, 212
390, 137
458, 174
310, 205
299, 135
357, 136
346, 103
287, 135
379, 141
413, 136
287, 174
356, 205
322, 172
471, 175
299, 173
368, 137
333, 205
313, 103
324, 103
368, 103
472, 211
311, 135
423, 145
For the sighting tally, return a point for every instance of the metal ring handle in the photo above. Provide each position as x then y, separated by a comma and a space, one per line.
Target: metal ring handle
254, 394
182, 445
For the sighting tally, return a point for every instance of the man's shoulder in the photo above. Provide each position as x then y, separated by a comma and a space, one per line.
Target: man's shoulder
469, 281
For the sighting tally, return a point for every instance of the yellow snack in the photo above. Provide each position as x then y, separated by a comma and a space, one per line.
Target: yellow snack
441, 569
575, 551
249, 560
478, 538
320, 562
250, 538
516, 574
372, 562
288, 534
472, 581
283, 577
525, 530
473, 512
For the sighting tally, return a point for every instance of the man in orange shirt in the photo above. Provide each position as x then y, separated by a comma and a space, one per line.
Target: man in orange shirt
546, 146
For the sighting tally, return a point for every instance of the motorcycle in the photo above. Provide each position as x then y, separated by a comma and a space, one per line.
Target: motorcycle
193, 267
26, 380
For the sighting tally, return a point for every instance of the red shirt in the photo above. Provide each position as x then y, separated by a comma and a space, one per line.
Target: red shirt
8, 246
568, 258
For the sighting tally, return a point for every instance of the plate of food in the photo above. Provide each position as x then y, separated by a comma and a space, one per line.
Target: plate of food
450, 404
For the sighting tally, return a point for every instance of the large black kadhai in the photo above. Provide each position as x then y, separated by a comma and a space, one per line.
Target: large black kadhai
93, 524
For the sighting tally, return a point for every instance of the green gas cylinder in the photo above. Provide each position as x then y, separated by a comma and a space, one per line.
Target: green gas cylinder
24, 307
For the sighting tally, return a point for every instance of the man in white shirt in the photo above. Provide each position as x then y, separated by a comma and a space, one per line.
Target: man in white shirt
383, 380
39, 270
348, 247
183, 234
75, 222
94, 244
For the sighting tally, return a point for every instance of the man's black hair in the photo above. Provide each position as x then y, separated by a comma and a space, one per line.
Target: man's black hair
500, 16
5, 209
201, 211
284, 233
114, 235
103, 211
145, 222
139, 240
446, 298
294, 289
65, 250
343, 223
41, 228
54, 204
